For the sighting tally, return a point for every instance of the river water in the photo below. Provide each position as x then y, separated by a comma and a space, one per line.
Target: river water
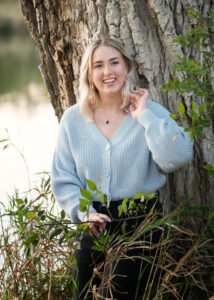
32, 128
25, 110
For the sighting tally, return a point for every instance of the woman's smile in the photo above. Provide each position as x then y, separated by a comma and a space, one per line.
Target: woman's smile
110, 80
108, 71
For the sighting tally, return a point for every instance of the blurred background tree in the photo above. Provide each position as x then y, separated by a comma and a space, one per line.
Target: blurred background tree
18, 56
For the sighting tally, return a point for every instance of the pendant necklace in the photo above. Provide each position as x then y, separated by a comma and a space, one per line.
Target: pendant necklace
109, 120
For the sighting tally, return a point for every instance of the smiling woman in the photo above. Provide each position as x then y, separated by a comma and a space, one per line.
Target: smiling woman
93, 66
110, 73
119, 137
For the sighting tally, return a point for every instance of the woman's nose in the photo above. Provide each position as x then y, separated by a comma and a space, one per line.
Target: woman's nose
107, 69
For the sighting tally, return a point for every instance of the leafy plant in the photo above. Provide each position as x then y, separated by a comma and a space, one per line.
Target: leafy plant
194, 77
38, 249
179, 259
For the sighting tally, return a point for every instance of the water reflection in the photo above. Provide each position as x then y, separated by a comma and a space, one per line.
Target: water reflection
19, 58
32, 127
24, 106
16, 65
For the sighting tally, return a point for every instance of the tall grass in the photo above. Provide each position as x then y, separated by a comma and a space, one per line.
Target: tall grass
37, 251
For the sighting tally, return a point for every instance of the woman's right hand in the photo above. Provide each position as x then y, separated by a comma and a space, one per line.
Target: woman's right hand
97, 221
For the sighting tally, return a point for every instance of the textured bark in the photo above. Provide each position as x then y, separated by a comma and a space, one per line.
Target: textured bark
62, 29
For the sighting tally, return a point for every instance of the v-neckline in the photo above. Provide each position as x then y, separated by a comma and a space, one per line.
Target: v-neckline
118, 134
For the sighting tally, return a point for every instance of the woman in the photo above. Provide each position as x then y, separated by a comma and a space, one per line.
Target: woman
116, 133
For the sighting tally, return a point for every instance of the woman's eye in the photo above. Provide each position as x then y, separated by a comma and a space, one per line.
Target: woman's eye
98, 66
115, 63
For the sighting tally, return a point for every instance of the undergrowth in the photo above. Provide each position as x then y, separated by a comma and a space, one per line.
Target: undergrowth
37, 250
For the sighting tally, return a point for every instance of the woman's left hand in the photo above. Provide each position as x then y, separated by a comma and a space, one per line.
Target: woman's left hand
138, 100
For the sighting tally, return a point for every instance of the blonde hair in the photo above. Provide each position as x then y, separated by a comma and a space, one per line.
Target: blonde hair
88, 94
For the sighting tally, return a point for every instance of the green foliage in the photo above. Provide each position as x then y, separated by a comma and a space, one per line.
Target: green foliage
209, 168
194, 77
92, 186
39, 250
130, 207
88, 196
38, 253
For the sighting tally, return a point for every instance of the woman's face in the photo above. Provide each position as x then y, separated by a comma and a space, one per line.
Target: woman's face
108, 71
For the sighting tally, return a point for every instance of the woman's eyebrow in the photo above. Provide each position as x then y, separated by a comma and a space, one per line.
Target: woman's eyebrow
100, 61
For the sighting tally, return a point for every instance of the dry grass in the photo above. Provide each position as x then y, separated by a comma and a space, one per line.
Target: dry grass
37, 258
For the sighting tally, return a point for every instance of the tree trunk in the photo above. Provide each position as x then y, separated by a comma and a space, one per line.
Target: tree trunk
62, 29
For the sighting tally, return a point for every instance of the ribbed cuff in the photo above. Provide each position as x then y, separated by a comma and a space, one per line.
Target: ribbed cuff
147, 117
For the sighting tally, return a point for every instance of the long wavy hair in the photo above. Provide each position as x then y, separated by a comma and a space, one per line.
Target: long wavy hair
88, 94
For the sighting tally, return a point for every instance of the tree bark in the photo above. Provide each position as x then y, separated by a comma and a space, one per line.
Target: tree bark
61, 31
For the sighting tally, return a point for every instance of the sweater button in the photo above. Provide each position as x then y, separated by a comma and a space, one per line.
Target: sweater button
107, 173
107, 147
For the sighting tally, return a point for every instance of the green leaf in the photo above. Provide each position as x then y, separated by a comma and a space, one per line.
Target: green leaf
92, 185
193, 105
83, 204
173, 116
55, 233
19, 201
177, 82
98, 248
202, 108
138, 195
86, 194
181, 108
5, 147
101, 197
194, 116
171, 84
165, 87
150, 195
47, 182
73, 257
131, 204
83, 201
209, 168
124, 205
82, 208
30, 214
32, 239
62, 214
120, 208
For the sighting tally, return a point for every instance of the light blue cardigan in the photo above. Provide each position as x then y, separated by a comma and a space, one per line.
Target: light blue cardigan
127, 164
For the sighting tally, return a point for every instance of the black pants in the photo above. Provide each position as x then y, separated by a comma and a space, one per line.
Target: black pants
124, 272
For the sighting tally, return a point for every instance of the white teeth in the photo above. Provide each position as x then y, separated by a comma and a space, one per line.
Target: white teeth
109, 80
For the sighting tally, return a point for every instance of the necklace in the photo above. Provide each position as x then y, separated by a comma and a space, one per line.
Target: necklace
109, 119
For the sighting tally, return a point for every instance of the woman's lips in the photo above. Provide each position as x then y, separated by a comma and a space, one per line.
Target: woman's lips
110, 80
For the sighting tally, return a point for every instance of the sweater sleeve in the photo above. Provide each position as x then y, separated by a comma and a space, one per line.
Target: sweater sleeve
65, 182
169, 144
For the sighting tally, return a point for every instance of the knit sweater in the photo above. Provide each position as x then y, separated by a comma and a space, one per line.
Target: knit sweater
127, 163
